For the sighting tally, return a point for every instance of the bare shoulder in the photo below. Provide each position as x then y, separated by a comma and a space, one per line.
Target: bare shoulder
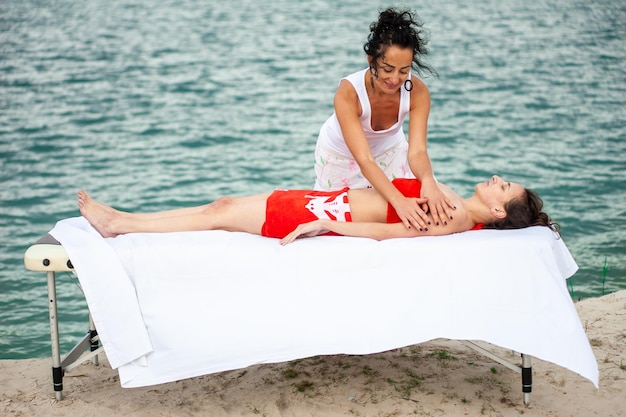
420, 96
449, 192
346, 99
345, 90
420, 89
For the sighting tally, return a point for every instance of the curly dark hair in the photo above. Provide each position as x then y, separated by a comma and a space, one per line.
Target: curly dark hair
523, 212
401, 28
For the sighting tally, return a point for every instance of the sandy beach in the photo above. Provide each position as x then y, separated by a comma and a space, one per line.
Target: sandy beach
439, 378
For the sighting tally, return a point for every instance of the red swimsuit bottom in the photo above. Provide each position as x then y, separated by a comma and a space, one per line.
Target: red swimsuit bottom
286, 209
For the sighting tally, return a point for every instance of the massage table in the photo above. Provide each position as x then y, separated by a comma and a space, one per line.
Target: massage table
165, 307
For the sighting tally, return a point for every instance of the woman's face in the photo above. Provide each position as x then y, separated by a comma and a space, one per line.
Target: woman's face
393, 68
496, 192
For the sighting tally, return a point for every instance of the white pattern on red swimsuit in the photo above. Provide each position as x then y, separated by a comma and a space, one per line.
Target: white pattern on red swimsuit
330, 208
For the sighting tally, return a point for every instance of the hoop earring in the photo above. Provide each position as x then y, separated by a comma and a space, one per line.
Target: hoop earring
410, 85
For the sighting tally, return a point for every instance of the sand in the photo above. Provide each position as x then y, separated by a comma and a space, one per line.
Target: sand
439, 378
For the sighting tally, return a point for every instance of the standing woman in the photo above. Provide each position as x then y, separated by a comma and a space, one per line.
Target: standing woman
363, 144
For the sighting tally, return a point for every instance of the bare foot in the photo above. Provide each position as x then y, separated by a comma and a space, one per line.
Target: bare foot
99, 215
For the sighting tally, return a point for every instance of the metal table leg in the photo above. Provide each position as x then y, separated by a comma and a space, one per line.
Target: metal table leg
526, 369
527, 378
47, 255
57, 370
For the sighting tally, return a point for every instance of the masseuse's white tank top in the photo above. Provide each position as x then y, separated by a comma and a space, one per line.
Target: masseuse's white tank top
330, 135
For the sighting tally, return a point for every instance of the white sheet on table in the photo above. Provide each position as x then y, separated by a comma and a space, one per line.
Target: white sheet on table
192, 303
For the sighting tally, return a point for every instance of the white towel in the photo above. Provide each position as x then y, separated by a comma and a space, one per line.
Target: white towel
192, 303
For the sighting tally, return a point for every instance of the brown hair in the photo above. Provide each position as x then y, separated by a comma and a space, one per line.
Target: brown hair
523, 212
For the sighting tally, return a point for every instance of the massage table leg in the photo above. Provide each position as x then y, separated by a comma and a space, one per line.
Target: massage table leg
57, 371
93, 341
47, 255
75, 356
526, 369
527, 378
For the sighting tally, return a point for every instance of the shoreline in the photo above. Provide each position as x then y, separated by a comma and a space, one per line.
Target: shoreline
436, 378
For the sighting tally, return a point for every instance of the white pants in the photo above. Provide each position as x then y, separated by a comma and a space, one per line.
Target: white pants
334, 171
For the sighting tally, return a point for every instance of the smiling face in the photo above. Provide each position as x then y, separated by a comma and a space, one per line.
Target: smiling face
393, 68
496, 192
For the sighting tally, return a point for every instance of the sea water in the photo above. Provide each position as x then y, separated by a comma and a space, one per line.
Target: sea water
158, 105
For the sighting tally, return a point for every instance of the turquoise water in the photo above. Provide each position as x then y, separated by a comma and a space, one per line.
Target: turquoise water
167, 104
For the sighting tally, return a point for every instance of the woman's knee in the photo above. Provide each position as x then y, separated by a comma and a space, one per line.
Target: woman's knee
223, 201
220, 205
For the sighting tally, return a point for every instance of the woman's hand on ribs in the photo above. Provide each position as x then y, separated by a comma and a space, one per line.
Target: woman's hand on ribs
410, 212
439, 206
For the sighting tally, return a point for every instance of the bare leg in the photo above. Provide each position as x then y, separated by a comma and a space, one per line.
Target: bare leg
244, 214
143, 216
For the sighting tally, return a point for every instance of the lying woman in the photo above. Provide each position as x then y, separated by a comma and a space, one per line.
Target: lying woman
289, 214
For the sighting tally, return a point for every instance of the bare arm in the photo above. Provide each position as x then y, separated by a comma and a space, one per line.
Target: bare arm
347, 109
377, 231
439, 205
